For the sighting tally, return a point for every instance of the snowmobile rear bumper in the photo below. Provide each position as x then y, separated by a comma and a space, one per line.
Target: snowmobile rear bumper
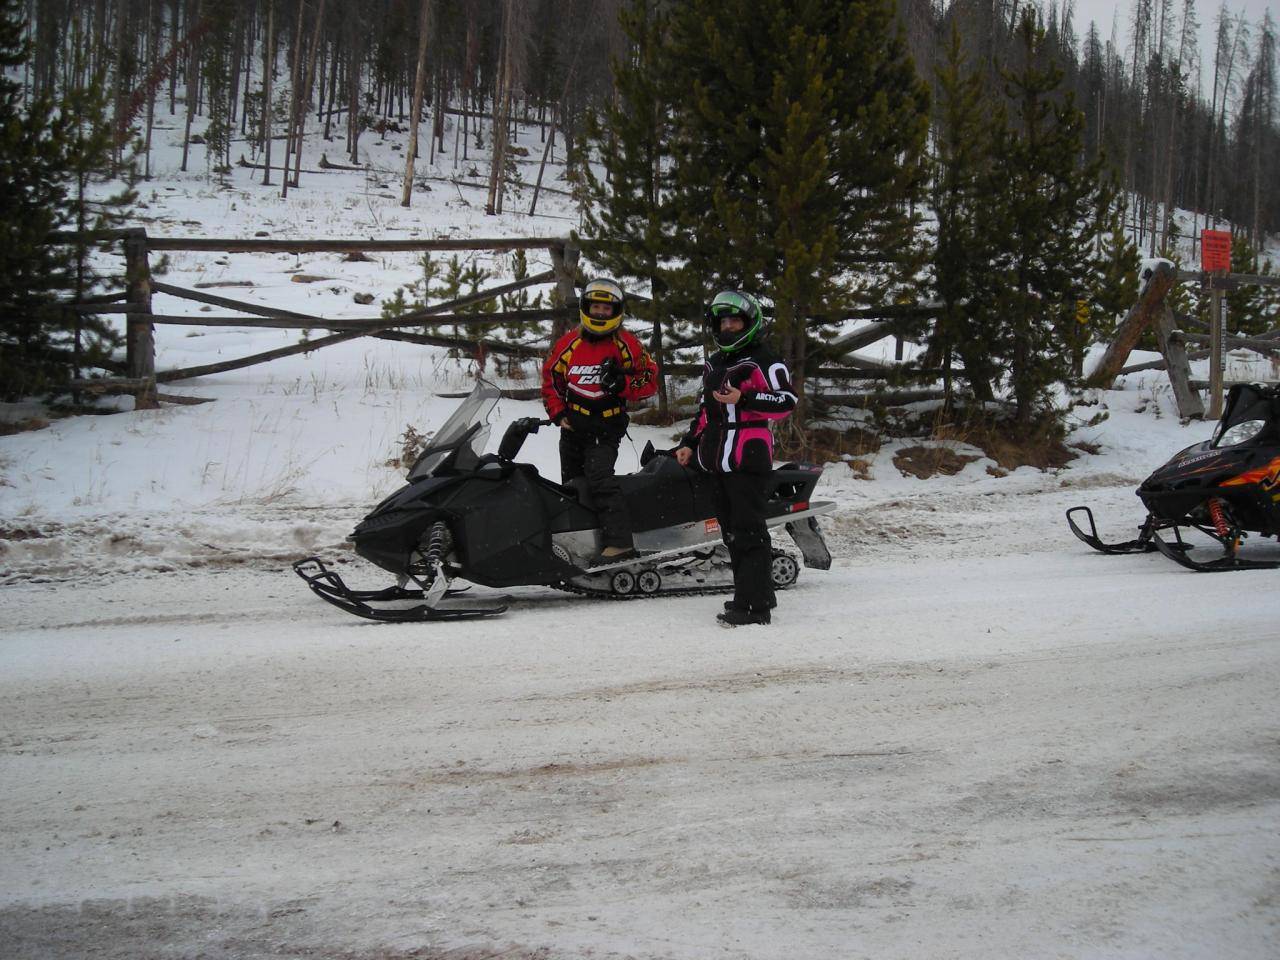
328, 586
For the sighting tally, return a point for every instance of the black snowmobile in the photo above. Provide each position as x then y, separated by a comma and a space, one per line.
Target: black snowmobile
1226, 487
495, 522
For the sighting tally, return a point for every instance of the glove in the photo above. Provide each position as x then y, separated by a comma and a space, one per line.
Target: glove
612, 379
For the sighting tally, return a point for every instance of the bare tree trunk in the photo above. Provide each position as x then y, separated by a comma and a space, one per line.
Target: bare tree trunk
356, 58
153, 39
550, 145
333, 91
295, 100
233, 100
123, 44
442, 102
193, 61
306, 92
173, 43
498, 133
419, 89
268, 67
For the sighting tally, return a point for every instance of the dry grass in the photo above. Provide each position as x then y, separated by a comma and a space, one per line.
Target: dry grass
10, 427
412, 443
1042, 448
651, 417
1040, 445
822, 444
925, 462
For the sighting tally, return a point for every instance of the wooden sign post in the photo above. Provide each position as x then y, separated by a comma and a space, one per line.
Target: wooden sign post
1215, 259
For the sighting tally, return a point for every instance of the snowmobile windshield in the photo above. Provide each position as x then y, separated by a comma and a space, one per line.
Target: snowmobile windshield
457, 445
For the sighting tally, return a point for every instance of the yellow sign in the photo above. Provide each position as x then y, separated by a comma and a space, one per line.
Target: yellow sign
1082, 311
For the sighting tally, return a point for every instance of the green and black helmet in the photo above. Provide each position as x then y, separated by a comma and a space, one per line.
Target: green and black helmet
734, 303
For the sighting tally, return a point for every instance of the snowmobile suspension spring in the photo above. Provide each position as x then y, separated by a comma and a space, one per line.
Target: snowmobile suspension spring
438, 540
1219, 517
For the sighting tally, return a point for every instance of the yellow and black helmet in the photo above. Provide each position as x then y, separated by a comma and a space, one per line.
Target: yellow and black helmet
606, 291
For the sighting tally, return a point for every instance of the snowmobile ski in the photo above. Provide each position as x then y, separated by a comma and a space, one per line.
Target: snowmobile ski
1143, 543
327, 585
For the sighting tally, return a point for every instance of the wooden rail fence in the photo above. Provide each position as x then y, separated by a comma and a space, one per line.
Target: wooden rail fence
141, 378
1153, 310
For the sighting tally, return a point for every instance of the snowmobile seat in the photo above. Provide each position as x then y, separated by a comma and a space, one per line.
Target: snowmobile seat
581, 489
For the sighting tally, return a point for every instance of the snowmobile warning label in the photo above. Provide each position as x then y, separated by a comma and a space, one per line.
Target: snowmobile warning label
712, 527
1215, 250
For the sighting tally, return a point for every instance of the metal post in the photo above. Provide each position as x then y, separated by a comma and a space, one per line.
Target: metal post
1217, 333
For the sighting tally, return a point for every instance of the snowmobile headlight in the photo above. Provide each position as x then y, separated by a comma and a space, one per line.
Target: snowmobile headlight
1245, 430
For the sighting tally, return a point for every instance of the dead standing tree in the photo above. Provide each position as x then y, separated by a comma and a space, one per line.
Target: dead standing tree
419, 90
301, 97
511, 61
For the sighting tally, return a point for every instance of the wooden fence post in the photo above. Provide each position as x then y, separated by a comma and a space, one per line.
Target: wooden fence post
564, 261
140, 343
1187, 399
1148, 308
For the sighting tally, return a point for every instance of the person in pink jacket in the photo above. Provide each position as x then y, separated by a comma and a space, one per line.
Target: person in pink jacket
745, 387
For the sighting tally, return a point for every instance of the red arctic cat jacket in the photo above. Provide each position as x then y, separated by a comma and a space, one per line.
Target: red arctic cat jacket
571, 379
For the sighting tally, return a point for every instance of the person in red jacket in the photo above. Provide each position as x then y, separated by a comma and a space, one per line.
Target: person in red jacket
587, 380
745, 388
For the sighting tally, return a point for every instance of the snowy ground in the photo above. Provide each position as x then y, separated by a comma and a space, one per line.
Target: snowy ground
971, 738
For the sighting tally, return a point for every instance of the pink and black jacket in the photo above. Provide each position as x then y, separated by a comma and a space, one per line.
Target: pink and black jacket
737, 437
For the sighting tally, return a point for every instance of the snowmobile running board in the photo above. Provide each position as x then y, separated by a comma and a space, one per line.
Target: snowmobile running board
1180, 553
799, 524
327, 585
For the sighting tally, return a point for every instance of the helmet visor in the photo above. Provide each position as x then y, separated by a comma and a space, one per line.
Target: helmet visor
600, 307
729, 304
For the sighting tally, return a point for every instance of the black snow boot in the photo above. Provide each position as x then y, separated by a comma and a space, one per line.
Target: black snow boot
741, 616
735, 605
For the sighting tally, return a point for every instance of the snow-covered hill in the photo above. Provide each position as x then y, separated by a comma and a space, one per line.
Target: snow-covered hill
970, 738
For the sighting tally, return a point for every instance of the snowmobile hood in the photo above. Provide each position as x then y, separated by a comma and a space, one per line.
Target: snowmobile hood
1199, 463
412, 493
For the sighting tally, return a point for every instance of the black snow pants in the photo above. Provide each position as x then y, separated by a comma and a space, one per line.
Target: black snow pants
740, 501
593, 454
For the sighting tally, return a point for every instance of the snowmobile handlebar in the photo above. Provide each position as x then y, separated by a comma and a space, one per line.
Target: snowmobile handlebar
514, 438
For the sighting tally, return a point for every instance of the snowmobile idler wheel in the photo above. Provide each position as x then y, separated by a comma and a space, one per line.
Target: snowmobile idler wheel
649, 581
784, 570
622, 582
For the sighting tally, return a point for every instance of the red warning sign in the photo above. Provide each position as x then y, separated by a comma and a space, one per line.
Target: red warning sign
1215, 251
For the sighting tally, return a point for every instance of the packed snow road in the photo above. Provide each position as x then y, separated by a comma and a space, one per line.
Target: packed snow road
989, 742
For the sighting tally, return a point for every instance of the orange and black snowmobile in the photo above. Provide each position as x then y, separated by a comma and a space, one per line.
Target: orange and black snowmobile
1227, 488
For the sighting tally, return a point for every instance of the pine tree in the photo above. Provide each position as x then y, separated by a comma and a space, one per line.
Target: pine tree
628, 219
34, 352
218, 54
961, 252
798, 139
1115, 275
95, 200
1251, 309
1042, 220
